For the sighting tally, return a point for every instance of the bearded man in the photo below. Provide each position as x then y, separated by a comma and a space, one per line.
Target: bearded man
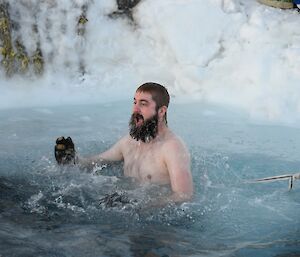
151, 152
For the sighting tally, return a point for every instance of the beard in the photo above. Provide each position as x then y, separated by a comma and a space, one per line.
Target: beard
145, 131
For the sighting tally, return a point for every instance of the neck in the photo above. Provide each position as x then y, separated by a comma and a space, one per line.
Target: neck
162, 128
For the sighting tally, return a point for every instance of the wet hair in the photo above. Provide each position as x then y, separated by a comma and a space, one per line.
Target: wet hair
159, 95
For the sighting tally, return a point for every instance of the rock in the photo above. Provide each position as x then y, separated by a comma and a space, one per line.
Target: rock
124, 9
124, 5
283, 4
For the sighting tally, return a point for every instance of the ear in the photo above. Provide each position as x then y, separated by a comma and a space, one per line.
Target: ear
162, 111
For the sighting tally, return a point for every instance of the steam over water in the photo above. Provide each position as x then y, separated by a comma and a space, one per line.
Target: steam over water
232, 69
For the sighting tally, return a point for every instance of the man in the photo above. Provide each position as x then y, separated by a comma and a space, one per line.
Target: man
151, 152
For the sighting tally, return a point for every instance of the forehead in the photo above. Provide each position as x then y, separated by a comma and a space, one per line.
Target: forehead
140, 95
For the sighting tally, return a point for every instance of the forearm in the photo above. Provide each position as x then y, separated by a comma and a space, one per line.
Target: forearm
180, 197
88, 163
174, 198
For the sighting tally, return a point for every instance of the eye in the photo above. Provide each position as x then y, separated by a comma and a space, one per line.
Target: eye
144, 103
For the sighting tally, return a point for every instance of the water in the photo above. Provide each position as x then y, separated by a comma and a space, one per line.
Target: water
46, 210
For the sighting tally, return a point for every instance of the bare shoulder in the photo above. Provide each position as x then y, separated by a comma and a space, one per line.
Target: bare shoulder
173, 141
116, 152
125, 140
174, 147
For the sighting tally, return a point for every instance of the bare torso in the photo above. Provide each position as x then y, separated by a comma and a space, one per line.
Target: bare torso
145, 161
163, 160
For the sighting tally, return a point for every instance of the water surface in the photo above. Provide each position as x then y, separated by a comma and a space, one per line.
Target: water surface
46, 210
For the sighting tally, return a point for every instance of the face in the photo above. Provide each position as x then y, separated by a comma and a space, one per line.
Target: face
144, 119
144, 105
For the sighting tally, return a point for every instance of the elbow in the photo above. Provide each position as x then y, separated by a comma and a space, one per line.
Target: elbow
188, 193
188, 196
183, 196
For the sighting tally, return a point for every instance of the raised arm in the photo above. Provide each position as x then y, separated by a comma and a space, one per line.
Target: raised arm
113, 154
65, 154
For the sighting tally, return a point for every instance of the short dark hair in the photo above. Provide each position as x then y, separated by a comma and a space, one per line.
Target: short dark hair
159, 94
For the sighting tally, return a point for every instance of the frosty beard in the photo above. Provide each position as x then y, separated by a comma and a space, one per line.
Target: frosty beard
145, 131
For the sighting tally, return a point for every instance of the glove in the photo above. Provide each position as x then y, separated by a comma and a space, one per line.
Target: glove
64, 151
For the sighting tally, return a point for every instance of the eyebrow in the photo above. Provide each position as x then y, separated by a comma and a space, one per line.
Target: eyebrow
141, 100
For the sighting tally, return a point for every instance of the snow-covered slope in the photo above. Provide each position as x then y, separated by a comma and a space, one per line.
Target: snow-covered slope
234, 52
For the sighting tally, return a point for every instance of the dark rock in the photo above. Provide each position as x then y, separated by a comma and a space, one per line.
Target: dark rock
127, 4
124, 9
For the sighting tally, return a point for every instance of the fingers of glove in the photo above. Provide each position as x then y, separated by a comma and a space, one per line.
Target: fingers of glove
69, 142
64, 143
60, 140
64, 150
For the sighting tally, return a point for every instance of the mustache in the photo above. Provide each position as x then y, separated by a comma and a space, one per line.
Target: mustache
144, 132
137, 116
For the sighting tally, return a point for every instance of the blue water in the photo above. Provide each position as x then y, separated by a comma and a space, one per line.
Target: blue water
46, 210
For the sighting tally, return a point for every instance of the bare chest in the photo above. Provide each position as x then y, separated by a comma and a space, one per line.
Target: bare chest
145, 162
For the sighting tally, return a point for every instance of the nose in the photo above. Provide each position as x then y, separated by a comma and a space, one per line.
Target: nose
136, 108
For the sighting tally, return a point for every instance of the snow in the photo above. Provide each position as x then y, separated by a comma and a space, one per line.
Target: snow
237, 53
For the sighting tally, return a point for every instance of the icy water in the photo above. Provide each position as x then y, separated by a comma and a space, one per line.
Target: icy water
46, 210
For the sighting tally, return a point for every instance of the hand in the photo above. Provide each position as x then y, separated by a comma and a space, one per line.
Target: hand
64, 151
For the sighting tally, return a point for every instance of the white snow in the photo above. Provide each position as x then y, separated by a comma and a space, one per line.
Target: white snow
236, 53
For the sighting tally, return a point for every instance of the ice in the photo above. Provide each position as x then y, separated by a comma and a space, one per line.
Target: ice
236, 53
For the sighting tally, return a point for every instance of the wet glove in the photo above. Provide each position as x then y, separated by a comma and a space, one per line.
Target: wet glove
64, 151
